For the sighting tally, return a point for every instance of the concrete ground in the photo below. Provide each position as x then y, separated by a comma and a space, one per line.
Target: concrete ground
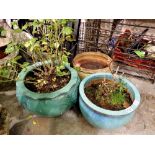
72, 122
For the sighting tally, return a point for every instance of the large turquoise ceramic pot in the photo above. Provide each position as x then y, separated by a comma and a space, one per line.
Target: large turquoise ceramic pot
102, 118
48, 104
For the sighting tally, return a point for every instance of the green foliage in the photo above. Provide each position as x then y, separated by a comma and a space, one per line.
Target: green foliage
110, 92
2, 32
4, 72
67, 31
12, 47
9, 71
118, 96
53, 33
47, 44
140, 53
15, 24
77, 68
25, 64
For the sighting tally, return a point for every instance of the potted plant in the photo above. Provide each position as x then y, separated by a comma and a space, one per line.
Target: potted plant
88, 63
49, 87
8, 35
5, 38
107, 101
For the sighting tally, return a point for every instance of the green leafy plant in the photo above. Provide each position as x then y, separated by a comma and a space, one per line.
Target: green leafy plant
2, 32
108, 94
47, 44
117, 98
9, 70
77, 68
118, 94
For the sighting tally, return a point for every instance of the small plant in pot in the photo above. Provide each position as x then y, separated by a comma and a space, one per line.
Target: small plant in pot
49, 87
107, 101
5, 39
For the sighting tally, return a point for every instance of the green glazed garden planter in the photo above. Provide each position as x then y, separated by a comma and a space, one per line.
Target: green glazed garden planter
48, 104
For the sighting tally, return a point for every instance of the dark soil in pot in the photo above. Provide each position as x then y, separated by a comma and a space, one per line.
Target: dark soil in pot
92, 64
2, 54
108, 94
35, 82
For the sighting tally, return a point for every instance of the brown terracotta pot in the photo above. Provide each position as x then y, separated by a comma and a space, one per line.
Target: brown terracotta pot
92, 62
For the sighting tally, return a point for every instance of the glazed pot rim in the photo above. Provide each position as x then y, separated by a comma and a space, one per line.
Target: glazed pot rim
98, 109
98, 54
36, 95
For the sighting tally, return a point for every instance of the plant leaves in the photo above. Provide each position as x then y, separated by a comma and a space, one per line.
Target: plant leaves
141, 54
25, 64
67, 30
27, 44
25, 26
2, 32
10, 48
17, 30
56, 45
